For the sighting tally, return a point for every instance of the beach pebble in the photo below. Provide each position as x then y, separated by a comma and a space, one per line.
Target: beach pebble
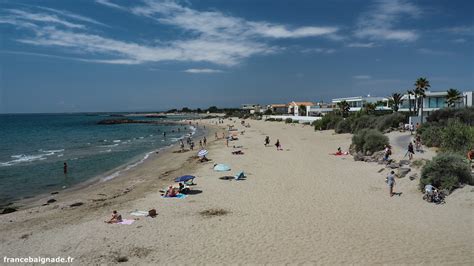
54, 193
51, 201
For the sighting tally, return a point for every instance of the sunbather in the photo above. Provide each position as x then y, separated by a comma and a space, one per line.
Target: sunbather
239, 152
116, 218
183, 189
171, 192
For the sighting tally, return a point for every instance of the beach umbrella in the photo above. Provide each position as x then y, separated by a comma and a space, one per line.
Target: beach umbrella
221, 167
184, 178
202, 153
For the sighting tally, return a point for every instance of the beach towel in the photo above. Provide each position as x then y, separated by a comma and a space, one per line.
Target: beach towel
179, 196
126, 221
139, 213
340, 154
239, 175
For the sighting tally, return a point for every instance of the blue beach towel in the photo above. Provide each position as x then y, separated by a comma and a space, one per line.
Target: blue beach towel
179, 196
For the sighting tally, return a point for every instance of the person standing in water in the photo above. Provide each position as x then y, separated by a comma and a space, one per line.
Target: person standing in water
65, 168
164, 134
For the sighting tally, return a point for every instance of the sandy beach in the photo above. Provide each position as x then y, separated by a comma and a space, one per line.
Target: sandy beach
299, 205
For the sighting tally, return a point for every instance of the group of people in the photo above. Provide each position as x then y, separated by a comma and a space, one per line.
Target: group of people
277, 143
174, 191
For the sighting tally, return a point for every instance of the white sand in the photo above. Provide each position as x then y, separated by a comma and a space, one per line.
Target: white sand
300, 205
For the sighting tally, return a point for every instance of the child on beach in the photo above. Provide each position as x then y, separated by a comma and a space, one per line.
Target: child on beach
278, 145
391, 182
267, 140
116, 218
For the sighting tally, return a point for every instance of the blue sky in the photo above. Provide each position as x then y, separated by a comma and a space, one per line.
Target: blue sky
112, 55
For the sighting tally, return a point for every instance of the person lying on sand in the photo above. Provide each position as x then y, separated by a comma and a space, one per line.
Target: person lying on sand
171, 192
116, 218
203, 159
239, 152
183, 189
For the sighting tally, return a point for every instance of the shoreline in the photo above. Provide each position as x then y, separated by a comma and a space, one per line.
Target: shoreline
120, 172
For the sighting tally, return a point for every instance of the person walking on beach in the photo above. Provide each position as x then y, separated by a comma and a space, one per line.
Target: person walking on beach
410, 151
200, 144
391, 182
216, 135
278, 145
267, 141
65, 168
204, 141
412, 128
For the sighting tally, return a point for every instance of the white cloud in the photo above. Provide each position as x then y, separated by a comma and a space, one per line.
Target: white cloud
361, 45
209, 36
73, 16
202, 71
41, 17
380, 21
362, 77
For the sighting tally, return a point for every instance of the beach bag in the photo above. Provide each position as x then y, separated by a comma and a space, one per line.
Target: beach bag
152, 213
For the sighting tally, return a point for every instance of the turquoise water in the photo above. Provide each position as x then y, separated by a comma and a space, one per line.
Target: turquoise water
34, 147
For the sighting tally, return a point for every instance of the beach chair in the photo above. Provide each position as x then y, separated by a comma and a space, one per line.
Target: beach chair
239, 176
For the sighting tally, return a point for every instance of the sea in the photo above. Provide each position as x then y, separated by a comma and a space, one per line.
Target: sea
34, 148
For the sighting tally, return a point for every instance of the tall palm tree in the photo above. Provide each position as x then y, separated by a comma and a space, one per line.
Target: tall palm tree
302, 110
453, 97
344, 108
409, 92
421, 85
396, 100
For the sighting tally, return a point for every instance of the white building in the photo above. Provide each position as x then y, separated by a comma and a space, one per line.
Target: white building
357, 103
434, 100
251, 108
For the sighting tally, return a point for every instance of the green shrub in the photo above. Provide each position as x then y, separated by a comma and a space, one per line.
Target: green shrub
390, 121
457, 137
370, 140
288, 120
270, 119
363, 122
295, 122
306, 123
328, 121
446, 171
465, 115
430, 134
278, 119
374, 141
343, 126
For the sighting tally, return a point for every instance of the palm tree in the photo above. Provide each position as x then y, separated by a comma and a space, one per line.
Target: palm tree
421, 84
453, 97
344, 108
409, 92
396, 100
302, 110
369, 108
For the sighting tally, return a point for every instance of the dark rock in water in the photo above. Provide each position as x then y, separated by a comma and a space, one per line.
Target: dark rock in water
9, 210
76, 204
51, 201
156, 116
54, 193
402, 172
